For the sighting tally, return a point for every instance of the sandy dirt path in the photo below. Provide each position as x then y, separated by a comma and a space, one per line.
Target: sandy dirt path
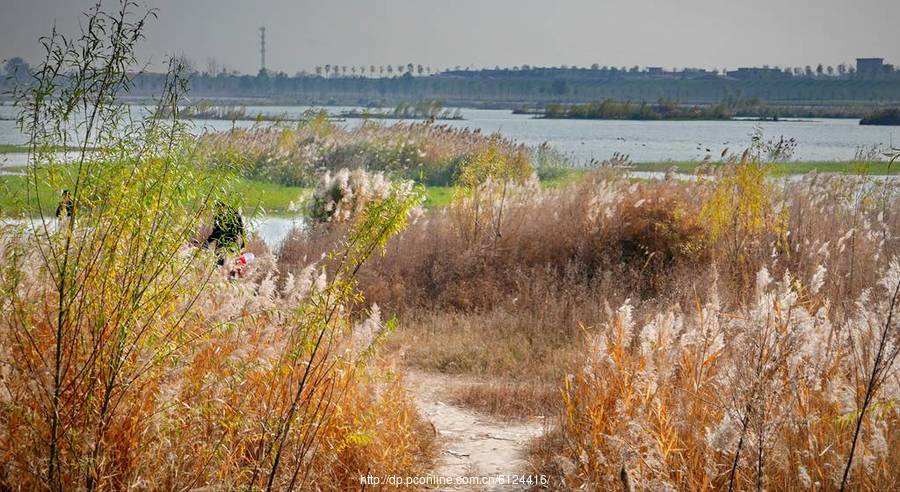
470, 443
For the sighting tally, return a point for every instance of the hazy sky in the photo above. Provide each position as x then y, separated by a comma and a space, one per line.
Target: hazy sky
440, 33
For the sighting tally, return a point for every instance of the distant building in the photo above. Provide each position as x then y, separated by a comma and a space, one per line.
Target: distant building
872, 66
756, 73
869, 65
655, 70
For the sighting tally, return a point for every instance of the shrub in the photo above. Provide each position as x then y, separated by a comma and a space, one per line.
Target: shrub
512, 305
344, 195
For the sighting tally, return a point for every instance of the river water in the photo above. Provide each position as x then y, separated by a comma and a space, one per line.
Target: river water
584, 140
272, 230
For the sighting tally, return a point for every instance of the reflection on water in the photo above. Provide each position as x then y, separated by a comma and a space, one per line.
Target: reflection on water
19, 159
272, 230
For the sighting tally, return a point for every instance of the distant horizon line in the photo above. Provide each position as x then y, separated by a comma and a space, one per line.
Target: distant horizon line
351, 69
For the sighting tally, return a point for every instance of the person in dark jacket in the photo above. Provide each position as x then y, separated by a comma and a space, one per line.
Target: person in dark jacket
66, 207
227, 234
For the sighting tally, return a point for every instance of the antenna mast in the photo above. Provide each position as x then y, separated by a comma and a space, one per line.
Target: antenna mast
262, 49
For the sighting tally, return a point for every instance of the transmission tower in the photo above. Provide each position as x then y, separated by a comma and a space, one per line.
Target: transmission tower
262, 50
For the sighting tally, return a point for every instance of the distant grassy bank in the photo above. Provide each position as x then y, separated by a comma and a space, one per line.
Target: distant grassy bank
878, 168
887, 117
728, 109
612, 110
23, 149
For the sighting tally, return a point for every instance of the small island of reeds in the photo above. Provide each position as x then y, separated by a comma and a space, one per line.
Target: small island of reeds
424, 110
667, 110
887, 117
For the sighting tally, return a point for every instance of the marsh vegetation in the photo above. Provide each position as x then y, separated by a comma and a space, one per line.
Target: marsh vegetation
628, 311
734, 332
727, 109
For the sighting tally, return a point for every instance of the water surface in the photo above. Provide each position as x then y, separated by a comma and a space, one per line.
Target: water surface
584, 140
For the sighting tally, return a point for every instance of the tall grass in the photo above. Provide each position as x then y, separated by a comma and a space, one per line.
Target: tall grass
759, 383
129, 360
429, 153
733, 332
764, 396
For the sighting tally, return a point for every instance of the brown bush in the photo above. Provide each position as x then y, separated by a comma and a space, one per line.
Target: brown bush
513, 305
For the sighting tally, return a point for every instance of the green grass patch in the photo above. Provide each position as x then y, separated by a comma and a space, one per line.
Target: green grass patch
24, 149
13, 194
253, 196
441, 196
266, 197
13, 149
564, 177
438, 196
879, 168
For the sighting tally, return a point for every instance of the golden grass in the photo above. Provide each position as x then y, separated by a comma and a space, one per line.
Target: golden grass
130, 361
523, 312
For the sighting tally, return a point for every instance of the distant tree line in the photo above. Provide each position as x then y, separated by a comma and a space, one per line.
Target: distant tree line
514, 87
513, 92
842, 71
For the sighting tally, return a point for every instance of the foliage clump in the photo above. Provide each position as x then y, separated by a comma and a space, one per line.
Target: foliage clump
742, 213
344, 195
425, 152
484, 181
